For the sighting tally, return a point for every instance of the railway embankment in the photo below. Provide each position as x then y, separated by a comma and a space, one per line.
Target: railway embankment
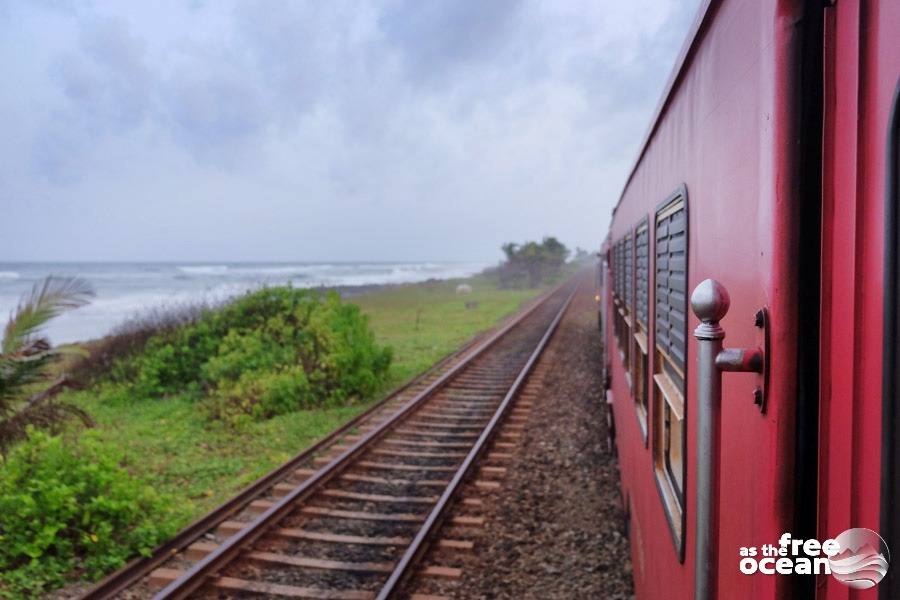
554, 529
169, 443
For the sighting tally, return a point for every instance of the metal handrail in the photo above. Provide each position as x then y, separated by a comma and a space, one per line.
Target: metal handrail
710, 302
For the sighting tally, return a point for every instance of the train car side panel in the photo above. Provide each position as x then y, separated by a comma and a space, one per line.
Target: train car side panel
723, 137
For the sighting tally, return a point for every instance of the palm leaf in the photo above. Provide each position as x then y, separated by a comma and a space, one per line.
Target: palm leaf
47, 300
43, 412
16, 375
25, 358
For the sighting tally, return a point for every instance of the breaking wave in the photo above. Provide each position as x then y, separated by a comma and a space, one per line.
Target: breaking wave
204, 270
126, 289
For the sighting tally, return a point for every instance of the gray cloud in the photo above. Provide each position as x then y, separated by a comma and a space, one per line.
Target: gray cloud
107, 79
295, 47
437, 37
108, 89
214, 112
55, 151
309, 122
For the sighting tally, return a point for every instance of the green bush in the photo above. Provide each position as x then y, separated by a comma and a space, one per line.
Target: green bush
69, 511
267, 353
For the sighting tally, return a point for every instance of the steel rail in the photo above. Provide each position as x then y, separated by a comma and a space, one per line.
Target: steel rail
137, 569
418, 546
196, 576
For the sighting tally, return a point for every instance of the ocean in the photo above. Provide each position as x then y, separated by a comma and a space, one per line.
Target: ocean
124, 290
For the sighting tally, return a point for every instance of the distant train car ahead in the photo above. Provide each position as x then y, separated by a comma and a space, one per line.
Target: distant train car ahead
750, 309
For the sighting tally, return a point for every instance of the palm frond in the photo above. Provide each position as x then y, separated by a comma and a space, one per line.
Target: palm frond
44, 413
16, 375
47, 300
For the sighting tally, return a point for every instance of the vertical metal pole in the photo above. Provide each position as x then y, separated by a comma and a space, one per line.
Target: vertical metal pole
710, 303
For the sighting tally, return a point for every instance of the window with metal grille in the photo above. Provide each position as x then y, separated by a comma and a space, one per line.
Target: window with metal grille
640, 368
626, 296
614, 266
619, 272
670, 309
671, 267
628, 259
641, 272
617, 289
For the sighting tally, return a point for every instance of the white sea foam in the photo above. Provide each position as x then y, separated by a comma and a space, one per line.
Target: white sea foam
124, 290
204, 269
279, 270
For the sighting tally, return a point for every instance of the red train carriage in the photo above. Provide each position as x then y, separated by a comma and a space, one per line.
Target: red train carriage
771, 168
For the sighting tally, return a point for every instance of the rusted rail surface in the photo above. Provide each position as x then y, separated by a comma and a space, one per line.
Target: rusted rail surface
450, 421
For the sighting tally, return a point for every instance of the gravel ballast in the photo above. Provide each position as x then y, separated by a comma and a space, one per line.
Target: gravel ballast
555, 529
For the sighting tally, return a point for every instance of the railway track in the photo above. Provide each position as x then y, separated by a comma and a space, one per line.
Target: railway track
358, 523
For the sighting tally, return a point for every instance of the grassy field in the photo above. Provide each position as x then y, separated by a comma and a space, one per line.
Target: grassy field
175, 448
424, 322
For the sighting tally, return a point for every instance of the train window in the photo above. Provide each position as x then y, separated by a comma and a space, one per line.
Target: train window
627, 298
614, 269
620, 280
669, 359
617, 270
641, 309
629, 272
617, 297
614, 251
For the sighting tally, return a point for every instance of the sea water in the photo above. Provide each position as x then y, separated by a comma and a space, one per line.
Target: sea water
125, 290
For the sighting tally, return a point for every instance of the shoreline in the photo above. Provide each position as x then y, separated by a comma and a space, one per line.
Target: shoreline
346, 292
130, 291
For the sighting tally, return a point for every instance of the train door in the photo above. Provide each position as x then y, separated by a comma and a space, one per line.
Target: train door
858, 404
890, 438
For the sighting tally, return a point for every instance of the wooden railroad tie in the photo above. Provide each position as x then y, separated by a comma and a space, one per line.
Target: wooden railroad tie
163, 577
228, 528
260, 506
441, 483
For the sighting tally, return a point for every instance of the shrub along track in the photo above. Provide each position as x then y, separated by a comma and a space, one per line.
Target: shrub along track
351, 523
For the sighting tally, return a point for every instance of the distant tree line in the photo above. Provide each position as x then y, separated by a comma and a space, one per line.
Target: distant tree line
582, 256
532, 264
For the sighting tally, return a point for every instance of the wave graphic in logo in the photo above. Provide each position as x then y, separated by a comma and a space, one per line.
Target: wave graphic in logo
862, 560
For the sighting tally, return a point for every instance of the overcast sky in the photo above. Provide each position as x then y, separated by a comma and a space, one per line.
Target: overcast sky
332, 130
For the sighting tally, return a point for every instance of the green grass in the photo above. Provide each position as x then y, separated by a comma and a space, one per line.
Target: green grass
426, 321
172, 445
